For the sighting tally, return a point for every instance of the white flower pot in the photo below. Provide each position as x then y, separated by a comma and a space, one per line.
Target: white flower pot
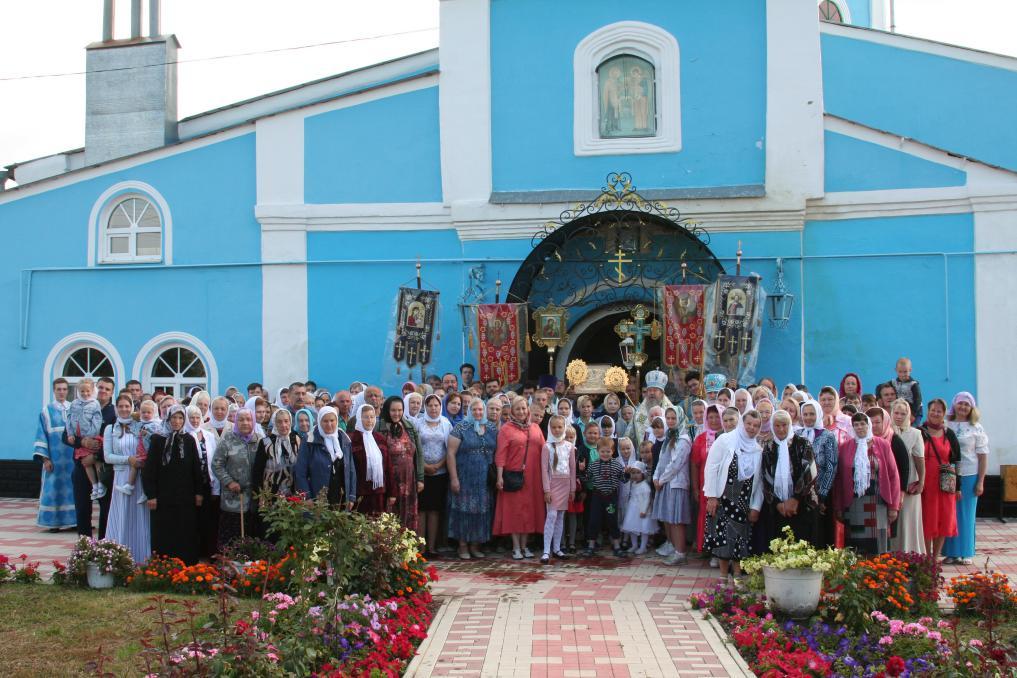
98, 580
794, 592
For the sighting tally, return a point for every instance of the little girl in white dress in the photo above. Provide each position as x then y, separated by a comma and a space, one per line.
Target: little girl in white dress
638, 511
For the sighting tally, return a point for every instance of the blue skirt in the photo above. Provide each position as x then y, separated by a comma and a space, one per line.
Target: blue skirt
963, 545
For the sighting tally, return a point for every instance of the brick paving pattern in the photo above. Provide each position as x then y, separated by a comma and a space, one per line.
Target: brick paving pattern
590, 617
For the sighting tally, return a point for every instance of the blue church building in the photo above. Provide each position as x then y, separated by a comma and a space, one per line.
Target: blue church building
875, 173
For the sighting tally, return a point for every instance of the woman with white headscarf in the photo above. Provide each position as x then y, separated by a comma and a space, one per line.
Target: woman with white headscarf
413, 404
734, 492
471, 447
910, 529
325, 462
866, 493
824, 451
208, 512
274, 461
172, 480
790, 498
671, 505
370, 454
433, 431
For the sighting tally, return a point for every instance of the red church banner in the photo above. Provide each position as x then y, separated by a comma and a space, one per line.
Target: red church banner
498, 330
683, 325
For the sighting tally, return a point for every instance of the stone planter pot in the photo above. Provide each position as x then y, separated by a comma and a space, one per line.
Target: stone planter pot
98, 580
794, 592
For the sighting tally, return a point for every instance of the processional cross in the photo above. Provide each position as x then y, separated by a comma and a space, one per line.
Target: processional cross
638, 329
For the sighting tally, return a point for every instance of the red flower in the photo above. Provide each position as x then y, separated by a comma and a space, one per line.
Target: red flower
895, 666
23, 557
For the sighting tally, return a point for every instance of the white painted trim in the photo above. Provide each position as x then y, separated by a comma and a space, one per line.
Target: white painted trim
879, 14
284, 346
121, 164
995, 327
150, 351
464, 99
305, 94
354, 217
842, 5
99, 213
73, 342
914, 44
794, 102
646, 41
279, 159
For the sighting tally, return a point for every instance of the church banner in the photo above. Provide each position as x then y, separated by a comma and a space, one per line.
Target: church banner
684, 321
734, 323
414, 326
498, 327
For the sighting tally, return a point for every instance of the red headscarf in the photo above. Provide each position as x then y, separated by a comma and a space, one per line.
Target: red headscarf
858, 380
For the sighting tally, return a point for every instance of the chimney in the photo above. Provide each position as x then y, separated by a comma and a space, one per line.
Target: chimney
130, 88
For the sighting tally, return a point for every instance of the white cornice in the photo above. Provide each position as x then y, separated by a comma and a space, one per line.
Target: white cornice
920, 45
907, 202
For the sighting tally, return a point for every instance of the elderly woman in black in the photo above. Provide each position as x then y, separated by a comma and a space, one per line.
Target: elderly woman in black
790, 497
274, 461
173, 480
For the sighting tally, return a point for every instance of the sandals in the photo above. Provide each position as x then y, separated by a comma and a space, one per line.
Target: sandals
517, 555
464, 555
561, 555
545, 559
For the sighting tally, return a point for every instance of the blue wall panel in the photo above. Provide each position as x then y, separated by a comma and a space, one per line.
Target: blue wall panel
211, 195
963, 107
381, 151
855, 165
861, 314
723, 93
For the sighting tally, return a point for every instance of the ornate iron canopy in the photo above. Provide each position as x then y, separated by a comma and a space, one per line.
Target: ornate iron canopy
615, 248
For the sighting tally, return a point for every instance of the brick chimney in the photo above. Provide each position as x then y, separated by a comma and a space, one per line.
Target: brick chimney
130, 88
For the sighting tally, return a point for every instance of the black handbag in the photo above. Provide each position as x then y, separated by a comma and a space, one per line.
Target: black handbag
513, 481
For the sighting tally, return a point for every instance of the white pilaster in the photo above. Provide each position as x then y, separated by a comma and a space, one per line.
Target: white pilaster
280, 180
464, 99
996, 325
794, 101
879, 14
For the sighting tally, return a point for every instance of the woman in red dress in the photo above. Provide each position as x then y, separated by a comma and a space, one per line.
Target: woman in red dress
521, 512
370, 454
700, 450
939, 508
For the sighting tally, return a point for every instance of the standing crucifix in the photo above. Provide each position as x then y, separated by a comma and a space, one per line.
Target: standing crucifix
638, 329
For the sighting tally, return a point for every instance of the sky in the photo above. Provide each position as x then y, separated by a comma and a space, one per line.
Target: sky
40, 116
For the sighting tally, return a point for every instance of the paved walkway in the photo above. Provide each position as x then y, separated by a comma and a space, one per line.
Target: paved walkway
600, 617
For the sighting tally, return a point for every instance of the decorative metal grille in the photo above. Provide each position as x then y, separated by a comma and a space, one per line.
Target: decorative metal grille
618, 247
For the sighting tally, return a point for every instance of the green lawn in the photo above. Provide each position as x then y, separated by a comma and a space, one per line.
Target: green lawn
55, 631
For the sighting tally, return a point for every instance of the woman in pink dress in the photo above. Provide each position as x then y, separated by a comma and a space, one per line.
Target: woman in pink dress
700, 451
521, 512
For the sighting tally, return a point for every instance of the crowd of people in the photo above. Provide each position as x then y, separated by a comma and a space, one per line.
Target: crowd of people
711, 468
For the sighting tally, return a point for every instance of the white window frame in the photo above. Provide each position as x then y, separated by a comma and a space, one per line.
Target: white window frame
645, 41
63, 349
102, 209
178, 381
150, 352
131, 232
842, 7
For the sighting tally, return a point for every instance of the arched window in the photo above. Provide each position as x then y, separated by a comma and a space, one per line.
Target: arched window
175, 370
627, 97
86, 361
829, 11
132, 231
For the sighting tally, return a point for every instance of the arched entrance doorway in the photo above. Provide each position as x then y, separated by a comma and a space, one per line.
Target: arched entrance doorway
599, 260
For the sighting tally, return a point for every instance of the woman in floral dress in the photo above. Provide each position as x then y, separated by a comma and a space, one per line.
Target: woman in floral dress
471, 449
405, 462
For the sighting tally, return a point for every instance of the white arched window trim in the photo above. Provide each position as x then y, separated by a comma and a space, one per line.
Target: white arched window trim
104, 205
65, 347
647, 42
142, 370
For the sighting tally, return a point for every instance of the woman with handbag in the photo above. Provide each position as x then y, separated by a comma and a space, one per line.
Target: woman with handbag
939, 497
520, 506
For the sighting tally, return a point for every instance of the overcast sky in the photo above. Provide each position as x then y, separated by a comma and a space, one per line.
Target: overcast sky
40, 116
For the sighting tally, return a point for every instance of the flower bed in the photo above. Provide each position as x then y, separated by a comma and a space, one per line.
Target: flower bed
878, 617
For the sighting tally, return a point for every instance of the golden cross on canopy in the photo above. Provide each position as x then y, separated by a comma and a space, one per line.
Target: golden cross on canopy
619, 261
